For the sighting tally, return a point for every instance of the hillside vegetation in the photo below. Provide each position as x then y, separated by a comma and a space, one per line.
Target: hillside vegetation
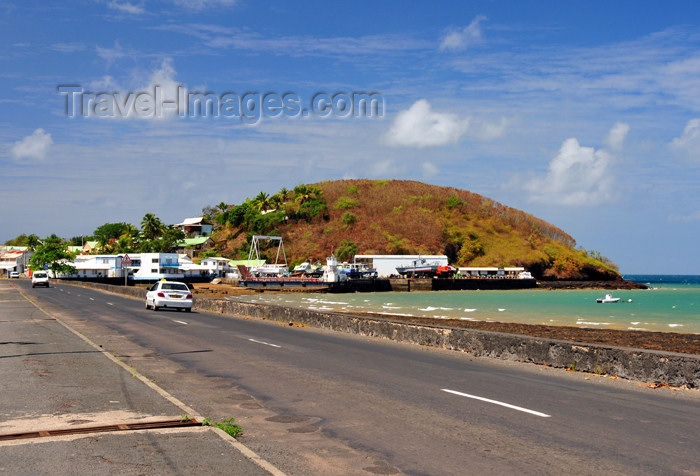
404, 217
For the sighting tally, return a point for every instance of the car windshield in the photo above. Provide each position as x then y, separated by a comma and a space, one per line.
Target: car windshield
39, 275
174, 287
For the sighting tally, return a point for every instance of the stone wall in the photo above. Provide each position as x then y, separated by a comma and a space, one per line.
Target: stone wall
645, 365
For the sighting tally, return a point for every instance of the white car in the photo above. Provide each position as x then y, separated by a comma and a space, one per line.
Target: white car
14, 274
40, 278
169, 294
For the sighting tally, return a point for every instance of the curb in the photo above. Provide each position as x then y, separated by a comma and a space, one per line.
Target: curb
247, 452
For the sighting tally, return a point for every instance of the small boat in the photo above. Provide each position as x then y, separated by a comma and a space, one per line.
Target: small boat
608, 298
419, 267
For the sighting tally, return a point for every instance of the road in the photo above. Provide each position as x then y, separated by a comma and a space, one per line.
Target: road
417, 410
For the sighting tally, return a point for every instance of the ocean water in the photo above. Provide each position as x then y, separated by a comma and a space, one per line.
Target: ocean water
672, 305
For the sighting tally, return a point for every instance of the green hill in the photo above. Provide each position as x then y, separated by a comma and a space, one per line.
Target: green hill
404, 217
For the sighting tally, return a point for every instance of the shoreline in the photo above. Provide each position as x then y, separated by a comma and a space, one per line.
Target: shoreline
648, 340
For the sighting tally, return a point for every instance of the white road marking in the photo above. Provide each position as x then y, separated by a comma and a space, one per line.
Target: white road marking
109, 303
496, 402
180, 322
91, 299
264, 343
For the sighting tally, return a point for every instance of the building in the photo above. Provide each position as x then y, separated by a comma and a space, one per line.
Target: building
142, 266
193, 246
194, 227
98, 266
90, 247
386, 264
14, 258
154, 266
490, 272
218, 266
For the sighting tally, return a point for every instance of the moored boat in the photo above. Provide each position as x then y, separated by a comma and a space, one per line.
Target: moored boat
607, 299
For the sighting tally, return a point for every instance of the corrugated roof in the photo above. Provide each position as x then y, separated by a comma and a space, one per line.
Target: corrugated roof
194, 241
191, 221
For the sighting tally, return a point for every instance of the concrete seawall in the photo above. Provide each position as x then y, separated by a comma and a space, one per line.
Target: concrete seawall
645, 365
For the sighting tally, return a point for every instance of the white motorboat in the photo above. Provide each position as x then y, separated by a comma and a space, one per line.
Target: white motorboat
608, 298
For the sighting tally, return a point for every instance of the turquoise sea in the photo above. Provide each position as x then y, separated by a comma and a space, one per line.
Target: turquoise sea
671, 304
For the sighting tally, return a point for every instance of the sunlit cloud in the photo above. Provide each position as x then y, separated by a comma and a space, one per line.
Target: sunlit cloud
126, 7
461, 39
35, 146
689, 142
616, 137
577, 175
420, 126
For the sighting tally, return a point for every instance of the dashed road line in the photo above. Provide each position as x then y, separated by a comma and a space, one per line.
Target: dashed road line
180, 322
496, 402
265, 343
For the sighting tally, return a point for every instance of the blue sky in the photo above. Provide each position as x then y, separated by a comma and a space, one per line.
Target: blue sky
585, 114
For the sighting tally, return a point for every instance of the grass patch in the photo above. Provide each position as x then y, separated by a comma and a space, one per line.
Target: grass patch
229, 426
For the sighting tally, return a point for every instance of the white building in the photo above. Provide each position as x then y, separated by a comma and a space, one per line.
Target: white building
386, 264
153, 266
14, 258
98, 266
512, 272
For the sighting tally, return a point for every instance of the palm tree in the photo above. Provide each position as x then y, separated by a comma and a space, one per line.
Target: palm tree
130, 231
262, 201
222, 206
284, 194
151, 226
304, 193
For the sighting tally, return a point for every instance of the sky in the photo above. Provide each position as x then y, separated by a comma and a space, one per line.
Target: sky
585, 114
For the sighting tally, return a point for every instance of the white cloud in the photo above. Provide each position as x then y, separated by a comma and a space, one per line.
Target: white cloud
420, 126
126, 7
689, 142
616, 137
68, 47
470, 35
110, 54
203, 4
35, 146
577, 176
220, 37
487, 130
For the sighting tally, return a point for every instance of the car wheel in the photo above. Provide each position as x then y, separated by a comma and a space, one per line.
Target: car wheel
147, 305
188, 309
32, 285
155, 308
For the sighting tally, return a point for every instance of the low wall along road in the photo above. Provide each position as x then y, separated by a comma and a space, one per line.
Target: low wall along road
644, 365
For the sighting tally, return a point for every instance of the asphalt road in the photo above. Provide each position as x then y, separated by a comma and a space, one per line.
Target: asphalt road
425, 411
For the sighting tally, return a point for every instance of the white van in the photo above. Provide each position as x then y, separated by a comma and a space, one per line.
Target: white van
40, 278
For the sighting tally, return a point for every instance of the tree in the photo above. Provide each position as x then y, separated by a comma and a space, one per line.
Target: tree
52, 254
284, 194
346, 250
108, 233
262, 201
151, 226
167, 243
79, 240
32, 242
